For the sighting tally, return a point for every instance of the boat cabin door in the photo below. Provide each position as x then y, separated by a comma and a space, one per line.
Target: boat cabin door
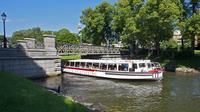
141, 67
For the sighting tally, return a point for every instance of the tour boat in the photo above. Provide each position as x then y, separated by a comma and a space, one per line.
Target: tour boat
116, 69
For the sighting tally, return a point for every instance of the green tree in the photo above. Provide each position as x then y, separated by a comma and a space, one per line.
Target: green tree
48, 32
159, 20
18, 35
1, 38
98, 23
28, 33
86, 36
185, 24
64, 36
126, 22
192, 28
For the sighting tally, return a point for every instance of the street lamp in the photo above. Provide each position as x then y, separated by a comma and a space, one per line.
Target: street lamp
3, 15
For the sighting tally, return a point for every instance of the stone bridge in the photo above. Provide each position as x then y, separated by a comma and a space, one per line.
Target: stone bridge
28, 60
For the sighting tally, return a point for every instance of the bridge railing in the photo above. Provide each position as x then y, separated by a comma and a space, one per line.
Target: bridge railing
86, 49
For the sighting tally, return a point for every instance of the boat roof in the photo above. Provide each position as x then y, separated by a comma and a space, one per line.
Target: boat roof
110, 61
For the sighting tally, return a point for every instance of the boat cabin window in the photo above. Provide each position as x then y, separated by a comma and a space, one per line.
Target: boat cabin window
134, 66
71, 63
153, 66
123, 67
82, 64
112, 66
77, 64
157, 64
96, 65
149, 65
141, 65
89, 65
103, 66
67, 64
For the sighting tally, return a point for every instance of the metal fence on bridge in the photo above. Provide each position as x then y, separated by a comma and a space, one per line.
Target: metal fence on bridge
67, 49
86, 49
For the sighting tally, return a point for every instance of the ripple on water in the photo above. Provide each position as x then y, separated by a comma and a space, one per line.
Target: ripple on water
112, 94
176, 93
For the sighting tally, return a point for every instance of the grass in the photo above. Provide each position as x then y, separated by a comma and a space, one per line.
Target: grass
21, 95
70, 57
197, 52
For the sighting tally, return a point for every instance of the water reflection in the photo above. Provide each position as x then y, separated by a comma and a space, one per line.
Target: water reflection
180, 93
176, 93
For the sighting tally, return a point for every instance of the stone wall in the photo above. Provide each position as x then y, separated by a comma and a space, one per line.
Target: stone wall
29, 61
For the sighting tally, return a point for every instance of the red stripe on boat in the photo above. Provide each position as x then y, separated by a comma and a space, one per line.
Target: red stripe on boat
154, 71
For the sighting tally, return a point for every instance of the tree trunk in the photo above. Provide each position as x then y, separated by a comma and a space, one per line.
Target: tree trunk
192, 44
132, 48
157, 46
194, 4
182, 44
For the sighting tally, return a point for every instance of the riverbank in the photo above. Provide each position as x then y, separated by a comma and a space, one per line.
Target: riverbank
21, 95
184, 64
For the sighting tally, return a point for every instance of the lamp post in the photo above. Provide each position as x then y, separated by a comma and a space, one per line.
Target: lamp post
3, 15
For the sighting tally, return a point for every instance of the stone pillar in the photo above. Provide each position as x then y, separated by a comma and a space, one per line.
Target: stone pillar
49, 45
30, 42
21, 44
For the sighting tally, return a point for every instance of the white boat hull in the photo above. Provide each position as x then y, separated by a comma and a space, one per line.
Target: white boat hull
116, 75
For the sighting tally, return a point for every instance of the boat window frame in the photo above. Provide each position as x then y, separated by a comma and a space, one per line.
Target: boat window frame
77, 64
89, 66
149, 65
123, 69
105, 68
139, 65
82, 64
111, 68
134, 66
67, 64
72, 64
95, 65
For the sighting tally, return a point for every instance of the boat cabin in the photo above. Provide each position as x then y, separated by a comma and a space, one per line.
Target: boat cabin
113, 65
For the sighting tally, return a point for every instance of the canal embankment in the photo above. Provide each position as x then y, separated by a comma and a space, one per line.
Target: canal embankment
21, 95
186, 65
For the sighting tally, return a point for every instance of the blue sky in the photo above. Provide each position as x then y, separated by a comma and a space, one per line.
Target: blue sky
47, 14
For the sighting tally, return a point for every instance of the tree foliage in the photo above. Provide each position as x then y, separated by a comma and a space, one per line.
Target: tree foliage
160, 18
97, 23
189, 23
29, 33
64, 36
193, 25
192, 29
136, 22
126, 23
1, 38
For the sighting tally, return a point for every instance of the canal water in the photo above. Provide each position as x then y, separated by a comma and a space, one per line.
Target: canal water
176, 93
